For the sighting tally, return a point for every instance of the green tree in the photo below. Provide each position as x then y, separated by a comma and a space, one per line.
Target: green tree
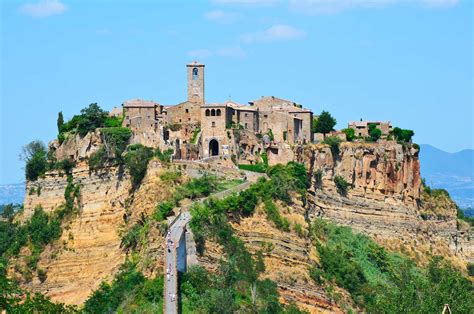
60, 121
374, 132
35, 156
92, 117
350, 134
402, 135
136, 161
325, 123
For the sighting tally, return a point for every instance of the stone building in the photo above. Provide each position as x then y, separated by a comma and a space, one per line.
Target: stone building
361, 128
212, 129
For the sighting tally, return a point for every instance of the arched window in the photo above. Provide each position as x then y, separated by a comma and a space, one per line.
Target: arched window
213, 112
208, 112
218, 112
195, 73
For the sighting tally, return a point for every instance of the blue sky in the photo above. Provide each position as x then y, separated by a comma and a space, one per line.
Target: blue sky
407, 61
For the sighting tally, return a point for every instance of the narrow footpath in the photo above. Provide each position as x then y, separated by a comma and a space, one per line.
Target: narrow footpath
175, 232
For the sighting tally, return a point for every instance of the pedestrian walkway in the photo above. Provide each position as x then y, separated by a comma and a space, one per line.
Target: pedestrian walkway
175, 233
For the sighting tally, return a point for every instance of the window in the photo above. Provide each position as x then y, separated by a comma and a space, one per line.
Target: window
208, 112
246, 125
128, 117
179, 120
195, 74
218, 112
265, 115
245, 115
189, 119
213, 112
213, 124
187, 111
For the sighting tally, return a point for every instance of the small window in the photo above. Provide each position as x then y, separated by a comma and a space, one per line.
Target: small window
208, 112
218, 112
179, 120
246, 125
189, 119
195, 74
213, 124
265, 115
245, 115
187, 111
128, 117
213, 112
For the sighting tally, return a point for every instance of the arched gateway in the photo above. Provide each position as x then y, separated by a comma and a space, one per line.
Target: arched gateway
213, 147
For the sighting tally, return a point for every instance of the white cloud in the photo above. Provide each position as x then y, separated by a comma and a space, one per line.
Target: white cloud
220, 16
232, 52
43, 8
274, 33
333, 6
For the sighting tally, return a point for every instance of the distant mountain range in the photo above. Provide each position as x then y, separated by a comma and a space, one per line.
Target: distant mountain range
451, 171
12, 193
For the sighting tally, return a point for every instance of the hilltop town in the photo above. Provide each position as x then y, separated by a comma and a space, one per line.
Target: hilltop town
260, 207
195, 129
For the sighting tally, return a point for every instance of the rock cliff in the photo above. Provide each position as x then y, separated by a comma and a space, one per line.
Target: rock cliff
385, 199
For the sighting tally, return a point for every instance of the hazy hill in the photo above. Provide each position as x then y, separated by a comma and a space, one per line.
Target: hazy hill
451, 171
12, 193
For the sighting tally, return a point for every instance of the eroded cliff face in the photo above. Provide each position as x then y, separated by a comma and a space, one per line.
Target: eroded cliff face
287, 256
385, 200
89, 251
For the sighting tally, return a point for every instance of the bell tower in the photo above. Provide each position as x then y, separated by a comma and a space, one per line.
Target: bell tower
195, 82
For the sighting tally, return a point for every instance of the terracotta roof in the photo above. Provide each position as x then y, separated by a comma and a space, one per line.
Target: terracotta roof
140, 103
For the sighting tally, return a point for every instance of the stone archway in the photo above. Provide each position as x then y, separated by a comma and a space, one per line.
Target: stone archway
213, 147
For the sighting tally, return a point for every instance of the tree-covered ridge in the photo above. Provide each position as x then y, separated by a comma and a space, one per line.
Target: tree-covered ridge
380, 281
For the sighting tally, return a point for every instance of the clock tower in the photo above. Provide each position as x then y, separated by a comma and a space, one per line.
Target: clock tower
195, 82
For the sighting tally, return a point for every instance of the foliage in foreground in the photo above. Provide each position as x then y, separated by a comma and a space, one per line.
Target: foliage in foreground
385, 282
236, 285
129, 292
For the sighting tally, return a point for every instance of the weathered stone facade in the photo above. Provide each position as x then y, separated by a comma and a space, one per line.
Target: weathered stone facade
208, 129
361, 128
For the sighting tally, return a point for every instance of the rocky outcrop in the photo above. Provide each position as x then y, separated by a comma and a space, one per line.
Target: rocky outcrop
384, 200
88, 251
287, 256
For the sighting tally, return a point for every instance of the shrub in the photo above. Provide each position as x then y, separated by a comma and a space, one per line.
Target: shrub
402, 135
170, 176
350, 134
131, 238
470, 269
255, 168
113, 122
108, 297
318, 179
164, 156
163, 210
341, 185
333, 142
273, 214
98, 159
196, 133
41, 275
116, 139
136, 161
374, 132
